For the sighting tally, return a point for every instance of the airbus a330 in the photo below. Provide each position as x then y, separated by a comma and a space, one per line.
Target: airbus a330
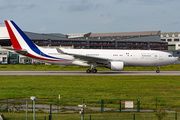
114, 59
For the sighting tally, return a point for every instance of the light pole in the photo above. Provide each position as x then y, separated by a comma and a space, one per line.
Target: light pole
82, 110
26, 109
33, 98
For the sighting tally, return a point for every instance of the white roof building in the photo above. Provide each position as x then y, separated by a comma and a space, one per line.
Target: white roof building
173, 40
4, 33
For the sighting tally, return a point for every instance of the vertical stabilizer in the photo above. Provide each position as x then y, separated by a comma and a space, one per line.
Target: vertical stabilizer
18, 38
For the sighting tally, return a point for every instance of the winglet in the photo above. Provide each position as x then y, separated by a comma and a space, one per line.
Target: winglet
60, 51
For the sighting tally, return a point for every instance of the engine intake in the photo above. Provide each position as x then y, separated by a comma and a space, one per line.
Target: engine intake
116, 66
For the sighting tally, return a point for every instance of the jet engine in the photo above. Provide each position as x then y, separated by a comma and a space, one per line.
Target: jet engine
116, 65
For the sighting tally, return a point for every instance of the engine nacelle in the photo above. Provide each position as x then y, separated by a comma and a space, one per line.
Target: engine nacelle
116, 66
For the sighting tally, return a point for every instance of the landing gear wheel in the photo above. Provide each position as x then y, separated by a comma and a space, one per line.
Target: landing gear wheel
157, 71
88, 71
94, 71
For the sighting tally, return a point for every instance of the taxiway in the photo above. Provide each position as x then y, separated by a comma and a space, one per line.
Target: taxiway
167, 73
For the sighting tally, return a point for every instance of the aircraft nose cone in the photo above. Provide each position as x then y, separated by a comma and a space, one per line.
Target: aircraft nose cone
175, 59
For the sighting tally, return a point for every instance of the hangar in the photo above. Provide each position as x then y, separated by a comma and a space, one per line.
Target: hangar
144, 40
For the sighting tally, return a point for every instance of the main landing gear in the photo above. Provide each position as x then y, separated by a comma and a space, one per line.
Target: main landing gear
158, 71
92, 70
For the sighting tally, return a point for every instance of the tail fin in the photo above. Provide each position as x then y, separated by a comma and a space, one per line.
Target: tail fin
23, 45
18, 38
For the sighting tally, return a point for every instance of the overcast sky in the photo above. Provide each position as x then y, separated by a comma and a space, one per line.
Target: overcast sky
96, 16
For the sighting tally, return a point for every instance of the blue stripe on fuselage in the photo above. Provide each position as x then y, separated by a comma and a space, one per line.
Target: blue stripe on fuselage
31, 44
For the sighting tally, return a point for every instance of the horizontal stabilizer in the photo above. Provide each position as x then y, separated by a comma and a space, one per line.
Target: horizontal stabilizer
23, 52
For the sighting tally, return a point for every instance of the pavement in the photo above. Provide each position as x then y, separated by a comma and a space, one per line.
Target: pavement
104, 73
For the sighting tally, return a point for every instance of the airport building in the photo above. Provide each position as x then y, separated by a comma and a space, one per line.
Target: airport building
173, 40
145, 40
121, 40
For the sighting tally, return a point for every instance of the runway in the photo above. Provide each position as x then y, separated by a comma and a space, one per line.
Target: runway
105, 73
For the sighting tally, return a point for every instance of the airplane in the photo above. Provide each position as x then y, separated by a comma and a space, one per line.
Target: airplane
113, 59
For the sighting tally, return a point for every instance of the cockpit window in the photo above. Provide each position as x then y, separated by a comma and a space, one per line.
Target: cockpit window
170, 56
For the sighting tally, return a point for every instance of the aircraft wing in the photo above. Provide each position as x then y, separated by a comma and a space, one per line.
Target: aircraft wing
87, 58
23, 52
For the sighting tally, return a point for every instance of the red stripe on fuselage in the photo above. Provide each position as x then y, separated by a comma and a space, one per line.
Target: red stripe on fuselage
13, 38
35, 57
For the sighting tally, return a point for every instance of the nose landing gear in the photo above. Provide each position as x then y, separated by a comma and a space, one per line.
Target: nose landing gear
158, 71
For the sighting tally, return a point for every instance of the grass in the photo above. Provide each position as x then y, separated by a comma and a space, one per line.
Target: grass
91, 89
172, 67
104, 116
73, 89
96, 87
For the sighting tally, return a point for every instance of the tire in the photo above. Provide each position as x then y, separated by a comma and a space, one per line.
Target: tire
94, 71
88, 71
157, 71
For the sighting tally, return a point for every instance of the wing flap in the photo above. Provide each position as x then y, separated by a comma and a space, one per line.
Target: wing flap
87, 58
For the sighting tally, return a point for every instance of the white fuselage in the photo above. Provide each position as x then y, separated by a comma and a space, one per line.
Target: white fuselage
129, 57
113, 59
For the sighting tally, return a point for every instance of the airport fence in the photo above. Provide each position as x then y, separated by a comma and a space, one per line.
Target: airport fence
141, 107
93, 105
129, 116
120, 116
